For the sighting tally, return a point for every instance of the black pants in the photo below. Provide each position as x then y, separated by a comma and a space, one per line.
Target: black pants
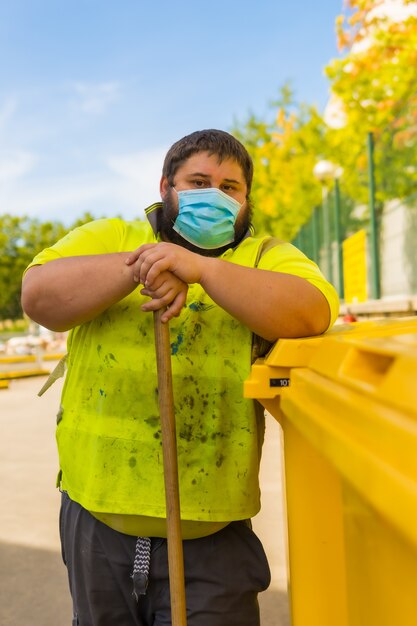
223, 572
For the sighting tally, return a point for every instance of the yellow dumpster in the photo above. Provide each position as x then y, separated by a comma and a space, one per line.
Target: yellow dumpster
347, 404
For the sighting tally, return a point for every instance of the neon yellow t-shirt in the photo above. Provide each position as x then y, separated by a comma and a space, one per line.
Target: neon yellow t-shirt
108, 433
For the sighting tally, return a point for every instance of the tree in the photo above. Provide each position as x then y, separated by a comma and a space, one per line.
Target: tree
375, 88
21, 238
284, 152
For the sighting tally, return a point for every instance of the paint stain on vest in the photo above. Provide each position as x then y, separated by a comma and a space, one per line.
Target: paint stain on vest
186, 432
195, 332
175, 346
142, 330
132, 462
200, 306
220, 459
109, 358
230, 364
152, 421
104, 318
218, 434
189, 401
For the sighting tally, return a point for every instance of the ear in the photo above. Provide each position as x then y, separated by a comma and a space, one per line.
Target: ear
164, 187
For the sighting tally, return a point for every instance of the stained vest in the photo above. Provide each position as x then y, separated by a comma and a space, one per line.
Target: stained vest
109, 435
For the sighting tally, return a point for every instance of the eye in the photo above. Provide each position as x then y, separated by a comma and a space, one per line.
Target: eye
199, 183
228, 188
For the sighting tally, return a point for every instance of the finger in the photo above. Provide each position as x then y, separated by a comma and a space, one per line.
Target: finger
153, 305
157, 302
141, 260
133, 256
141, 268
159, 286
158, 293
152, 268
176, 306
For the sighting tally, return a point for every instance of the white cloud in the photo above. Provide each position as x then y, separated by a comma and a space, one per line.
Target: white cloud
95, 98
126, 186
141, 172
15, 164
64, 198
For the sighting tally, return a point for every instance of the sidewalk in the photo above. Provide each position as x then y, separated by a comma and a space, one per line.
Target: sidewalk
33, 583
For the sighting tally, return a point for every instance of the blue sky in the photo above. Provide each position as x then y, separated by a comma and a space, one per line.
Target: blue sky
93, 92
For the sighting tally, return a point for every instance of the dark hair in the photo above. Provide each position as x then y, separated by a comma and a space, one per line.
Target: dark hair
216, 142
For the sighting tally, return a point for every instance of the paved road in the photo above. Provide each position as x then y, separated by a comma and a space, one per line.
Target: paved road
33, 585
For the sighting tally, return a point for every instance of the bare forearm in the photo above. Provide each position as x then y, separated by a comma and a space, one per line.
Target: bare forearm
66, 292
271, 304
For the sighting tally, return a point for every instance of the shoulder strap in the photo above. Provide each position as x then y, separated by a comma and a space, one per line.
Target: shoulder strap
267, 245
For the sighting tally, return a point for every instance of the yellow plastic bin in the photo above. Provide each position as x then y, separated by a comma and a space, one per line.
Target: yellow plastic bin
347, 404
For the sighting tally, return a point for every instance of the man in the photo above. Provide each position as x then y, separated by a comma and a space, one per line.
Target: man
226, 292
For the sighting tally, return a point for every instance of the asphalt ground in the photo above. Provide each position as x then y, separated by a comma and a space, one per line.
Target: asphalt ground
33, 581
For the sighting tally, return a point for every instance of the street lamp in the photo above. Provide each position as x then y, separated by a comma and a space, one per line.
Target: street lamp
327, 172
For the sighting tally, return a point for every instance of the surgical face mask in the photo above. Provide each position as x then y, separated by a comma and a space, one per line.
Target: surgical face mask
206, 217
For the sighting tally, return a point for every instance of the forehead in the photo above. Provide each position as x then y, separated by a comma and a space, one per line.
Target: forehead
209, 165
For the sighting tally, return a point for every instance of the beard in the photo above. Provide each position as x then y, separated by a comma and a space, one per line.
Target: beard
168, 214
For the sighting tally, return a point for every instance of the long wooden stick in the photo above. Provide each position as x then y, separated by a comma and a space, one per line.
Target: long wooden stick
169, 452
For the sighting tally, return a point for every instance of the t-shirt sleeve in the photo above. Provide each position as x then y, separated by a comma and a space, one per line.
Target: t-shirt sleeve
102, 236
286, 258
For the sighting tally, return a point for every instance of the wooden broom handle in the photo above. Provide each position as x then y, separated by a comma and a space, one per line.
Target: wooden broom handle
169, 452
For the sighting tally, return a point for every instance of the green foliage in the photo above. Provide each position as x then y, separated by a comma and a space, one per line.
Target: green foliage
284, 151
373, 89
21, 238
